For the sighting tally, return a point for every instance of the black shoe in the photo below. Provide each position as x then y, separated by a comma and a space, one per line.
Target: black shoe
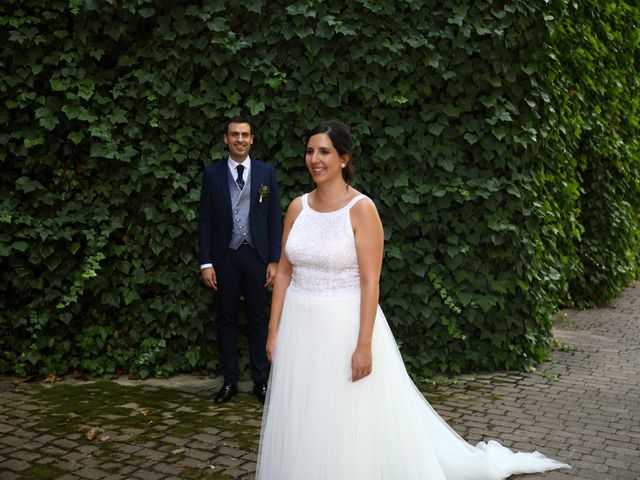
260, 391
226, 393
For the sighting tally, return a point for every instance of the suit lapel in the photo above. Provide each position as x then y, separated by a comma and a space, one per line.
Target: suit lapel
256, 180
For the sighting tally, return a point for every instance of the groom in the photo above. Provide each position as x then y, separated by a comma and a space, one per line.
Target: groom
239, 230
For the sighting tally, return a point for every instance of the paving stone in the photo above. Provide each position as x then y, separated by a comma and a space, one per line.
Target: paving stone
26, 434
111, 466
127, 470
185, 409
68, 466
7, 475
128, 448
26, 455
90, 473
65, 444
212, 430
20, 414
15, 465
88, 449
251, 457
6, 428
206, 446
234, 473
11, 440
74, 456
167, 468
198, 454
228, 461
148, 475
46, 438
230, 452
151, 454
191, 463
46, 460
207, 438
51, 450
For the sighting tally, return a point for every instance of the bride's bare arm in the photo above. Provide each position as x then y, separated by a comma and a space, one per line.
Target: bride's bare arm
369, 238
282, 278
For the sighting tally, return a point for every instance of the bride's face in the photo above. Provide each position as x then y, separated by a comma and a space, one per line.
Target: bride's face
322, 159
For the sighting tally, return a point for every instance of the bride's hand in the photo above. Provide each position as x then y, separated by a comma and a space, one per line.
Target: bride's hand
361, 363
271, 346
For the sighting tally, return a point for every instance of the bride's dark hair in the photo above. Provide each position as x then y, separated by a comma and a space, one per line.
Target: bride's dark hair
341, 138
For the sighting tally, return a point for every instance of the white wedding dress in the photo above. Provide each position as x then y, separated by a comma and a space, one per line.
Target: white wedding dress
317, 423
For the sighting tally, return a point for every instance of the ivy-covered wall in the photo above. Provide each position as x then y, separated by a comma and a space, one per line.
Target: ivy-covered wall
597, 45
499, 140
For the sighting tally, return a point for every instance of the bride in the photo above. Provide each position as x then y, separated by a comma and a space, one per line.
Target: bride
340, 404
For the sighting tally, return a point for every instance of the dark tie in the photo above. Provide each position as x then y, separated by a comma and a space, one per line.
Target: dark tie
240, 180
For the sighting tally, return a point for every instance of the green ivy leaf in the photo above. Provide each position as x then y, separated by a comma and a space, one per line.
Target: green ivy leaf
470, 137
27, 184
436, 128
410, 197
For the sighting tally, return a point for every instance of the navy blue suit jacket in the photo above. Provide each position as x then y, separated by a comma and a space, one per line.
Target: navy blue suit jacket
215, 222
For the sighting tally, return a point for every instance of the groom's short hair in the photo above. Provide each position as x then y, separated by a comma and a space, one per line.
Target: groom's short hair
238, 119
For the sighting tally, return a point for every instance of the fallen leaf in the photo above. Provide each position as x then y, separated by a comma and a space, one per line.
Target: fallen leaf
104, 438
91, 434
51, 378
144, 411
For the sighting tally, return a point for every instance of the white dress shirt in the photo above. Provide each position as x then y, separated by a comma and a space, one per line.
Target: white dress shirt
233, 165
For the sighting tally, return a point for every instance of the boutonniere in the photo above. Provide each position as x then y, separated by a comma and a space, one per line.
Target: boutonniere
263, 191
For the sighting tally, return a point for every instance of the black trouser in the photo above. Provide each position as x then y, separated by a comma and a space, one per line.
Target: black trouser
242, 273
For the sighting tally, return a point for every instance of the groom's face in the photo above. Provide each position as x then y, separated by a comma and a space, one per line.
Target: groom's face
239, 140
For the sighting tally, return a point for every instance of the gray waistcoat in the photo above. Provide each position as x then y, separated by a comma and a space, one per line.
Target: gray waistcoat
240, 205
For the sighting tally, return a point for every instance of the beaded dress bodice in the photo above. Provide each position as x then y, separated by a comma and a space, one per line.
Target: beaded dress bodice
322, 250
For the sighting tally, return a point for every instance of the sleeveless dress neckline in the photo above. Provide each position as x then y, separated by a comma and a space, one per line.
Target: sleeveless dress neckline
351, 203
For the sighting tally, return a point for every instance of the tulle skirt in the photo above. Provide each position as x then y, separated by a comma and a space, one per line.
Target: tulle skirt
319, 425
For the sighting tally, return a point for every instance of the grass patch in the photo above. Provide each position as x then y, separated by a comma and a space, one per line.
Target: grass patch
140, 412
42, 472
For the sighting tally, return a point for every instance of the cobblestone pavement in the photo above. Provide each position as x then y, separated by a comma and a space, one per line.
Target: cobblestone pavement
582, 406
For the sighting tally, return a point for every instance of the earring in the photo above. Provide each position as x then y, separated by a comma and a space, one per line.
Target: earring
343, 165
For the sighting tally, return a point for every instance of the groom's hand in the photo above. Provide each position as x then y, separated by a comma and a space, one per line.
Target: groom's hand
209, 277
272, 268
